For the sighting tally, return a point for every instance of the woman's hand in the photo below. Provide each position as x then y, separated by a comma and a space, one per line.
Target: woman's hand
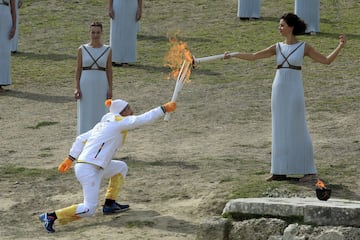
227, 55
138, 14
12, 32
77, 94
111, 13
342, 40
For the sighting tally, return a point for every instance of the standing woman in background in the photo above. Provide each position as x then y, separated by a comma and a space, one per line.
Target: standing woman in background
309, 11
292, 149
249, 9
93, 80
124, 26
7, 32
15, 40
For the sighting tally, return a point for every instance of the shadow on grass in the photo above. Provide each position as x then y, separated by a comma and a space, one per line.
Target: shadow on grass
39, 97
341, 191
146, 67
181, 164
44, 56
152, 68
270, 19
166, 39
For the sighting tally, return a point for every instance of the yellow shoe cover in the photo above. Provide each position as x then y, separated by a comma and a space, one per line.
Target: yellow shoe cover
67, 215
115, 184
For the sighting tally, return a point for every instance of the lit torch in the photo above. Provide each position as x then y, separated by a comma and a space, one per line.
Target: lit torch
183, 75
180, 60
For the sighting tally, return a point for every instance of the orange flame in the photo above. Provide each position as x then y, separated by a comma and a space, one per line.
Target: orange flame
177, 54
320, 184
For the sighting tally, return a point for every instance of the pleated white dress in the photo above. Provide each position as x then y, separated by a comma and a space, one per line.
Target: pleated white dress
309, 11
15, 40
5, 45
94, 87
249, 8
292, 149
123, 31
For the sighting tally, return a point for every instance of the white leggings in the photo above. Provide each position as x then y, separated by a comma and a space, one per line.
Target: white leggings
90, 178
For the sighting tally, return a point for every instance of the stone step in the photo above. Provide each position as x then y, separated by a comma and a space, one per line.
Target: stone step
334, 212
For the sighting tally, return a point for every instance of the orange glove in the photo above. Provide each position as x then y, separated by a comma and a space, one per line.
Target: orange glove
65, 165
169, 107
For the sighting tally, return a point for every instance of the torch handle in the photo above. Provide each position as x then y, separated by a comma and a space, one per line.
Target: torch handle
167, 117
210, 58
177, 89
179, 84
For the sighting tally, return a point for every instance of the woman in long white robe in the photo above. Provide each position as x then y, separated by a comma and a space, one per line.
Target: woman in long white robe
249, 9
309, 11
292, 150
7, 32
124, 26
93, 80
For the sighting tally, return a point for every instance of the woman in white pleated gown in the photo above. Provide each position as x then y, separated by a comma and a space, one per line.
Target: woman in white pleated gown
93, 80
309, 11
292, 150
124, 26
249, 9
7, 32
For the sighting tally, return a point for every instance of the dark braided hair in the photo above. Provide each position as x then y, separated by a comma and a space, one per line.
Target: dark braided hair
294, 21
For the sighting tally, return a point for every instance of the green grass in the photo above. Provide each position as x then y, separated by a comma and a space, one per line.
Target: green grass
208, 27
11, 171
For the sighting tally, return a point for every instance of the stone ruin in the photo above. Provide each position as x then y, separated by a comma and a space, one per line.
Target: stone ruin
284, 219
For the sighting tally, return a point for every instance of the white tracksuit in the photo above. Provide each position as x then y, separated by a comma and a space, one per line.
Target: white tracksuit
94, 151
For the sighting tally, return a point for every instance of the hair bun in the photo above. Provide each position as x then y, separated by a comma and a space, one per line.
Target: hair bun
108, 102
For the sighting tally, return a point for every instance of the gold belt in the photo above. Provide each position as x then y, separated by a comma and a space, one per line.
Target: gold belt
98, 167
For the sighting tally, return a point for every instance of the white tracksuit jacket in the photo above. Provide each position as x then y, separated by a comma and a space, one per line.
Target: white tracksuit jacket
99, 145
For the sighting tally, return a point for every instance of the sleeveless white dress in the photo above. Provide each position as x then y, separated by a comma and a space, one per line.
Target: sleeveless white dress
309, 11
249, 8
123, 31
94, 87
5, 45
292, 149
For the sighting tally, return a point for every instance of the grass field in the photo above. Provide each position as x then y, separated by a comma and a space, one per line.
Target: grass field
220, 135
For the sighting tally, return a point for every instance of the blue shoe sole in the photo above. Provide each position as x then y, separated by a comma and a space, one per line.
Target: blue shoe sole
109, 212
43, 220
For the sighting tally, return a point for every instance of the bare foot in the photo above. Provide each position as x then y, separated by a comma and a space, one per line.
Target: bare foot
308, 178
276, 177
